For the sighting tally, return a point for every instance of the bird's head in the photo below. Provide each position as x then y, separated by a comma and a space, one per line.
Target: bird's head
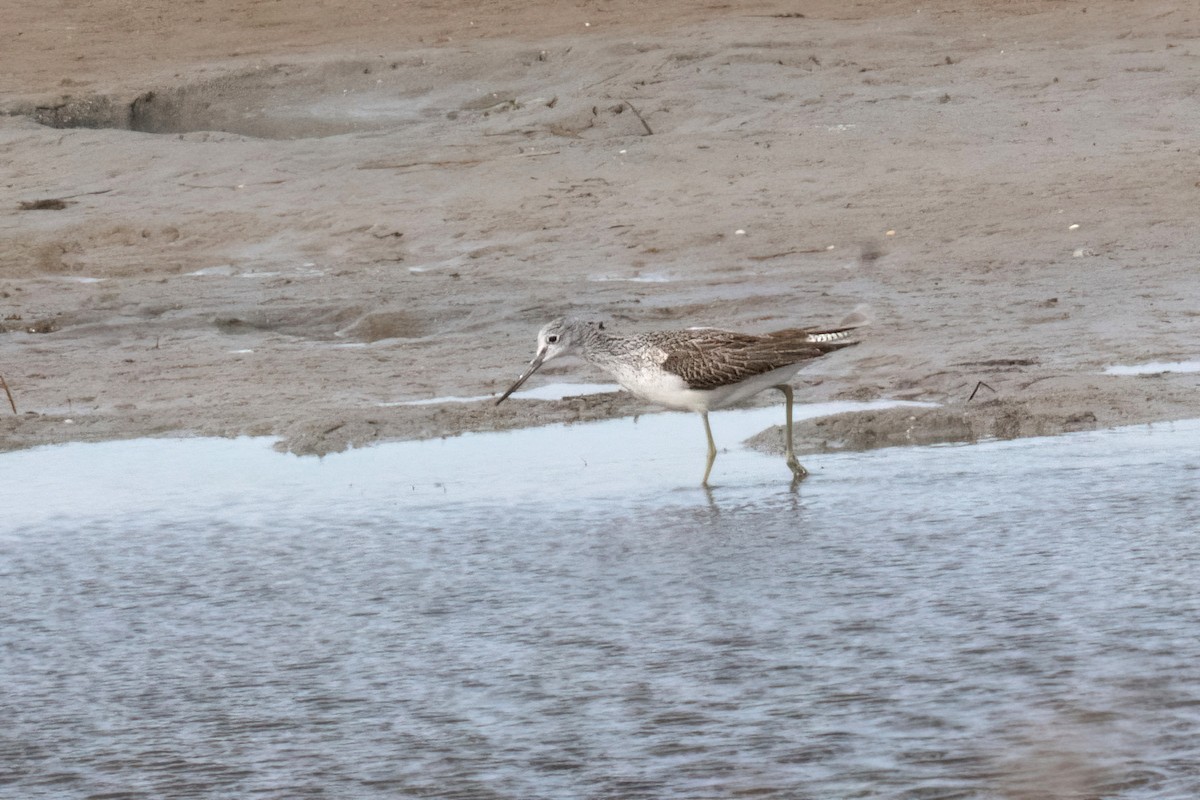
559, 337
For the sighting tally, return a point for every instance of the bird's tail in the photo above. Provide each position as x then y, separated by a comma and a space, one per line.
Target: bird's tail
837, 337
842, 335
833, 339
825, 340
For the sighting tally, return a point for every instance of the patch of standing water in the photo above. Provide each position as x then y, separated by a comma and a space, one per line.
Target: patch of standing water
230, 271
562, 612
550, 391
1153, 368
646, 277
660, 452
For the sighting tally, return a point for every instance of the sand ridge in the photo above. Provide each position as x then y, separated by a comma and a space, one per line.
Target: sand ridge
395, 200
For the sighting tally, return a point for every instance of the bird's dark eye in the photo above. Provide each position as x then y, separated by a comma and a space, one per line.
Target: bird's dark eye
552, 338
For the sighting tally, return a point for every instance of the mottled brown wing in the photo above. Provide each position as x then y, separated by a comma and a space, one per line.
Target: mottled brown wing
708, 359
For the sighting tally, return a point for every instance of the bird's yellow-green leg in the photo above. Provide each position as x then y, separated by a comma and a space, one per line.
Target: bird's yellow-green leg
712, 448
797, 471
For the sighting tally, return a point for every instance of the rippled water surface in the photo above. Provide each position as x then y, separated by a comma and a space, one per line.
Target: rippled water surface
562, 613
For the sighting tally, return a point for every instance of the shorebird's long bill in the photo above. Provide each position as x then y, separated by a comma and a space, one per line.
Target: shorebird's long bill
533, 367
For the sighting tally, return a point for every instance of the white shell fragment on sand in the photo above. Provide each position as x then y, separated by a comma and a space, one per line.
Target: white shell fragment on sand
1073, 227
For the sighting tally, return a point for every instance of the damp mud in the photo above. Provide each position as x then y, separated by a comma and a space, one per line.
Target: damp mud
562, 611
950, 423
313, 224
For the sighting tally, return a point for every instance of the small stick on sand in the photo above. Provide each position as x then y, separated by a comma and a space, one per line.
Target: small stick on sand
11, 402
641, 119
976, 389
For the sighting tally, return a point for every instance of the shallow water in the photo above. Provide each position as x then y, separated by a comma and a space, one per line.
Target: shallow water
1153, 368
562, 613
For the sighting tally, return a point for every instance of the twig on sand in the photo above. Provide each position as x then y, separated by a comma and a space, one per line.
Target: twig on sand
453, 162
641, 119
87, 194
460, 162
55, 203
976, 389
11, 402
769, 256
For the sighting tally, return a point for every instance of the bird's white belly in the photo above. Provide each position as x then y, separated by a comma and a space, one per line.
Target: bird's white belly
736, 393
670, 390
658, 386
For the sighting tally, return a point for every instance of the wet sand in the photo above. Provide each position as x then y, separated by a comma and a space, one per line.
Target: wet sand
322, 213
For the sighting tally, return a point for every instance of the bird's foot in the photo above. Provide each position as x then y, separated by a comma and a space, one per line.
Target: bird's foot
799, 473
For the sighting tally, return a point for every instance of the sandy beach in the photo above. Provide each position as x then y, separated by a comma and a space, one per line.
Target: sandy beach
232, 217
